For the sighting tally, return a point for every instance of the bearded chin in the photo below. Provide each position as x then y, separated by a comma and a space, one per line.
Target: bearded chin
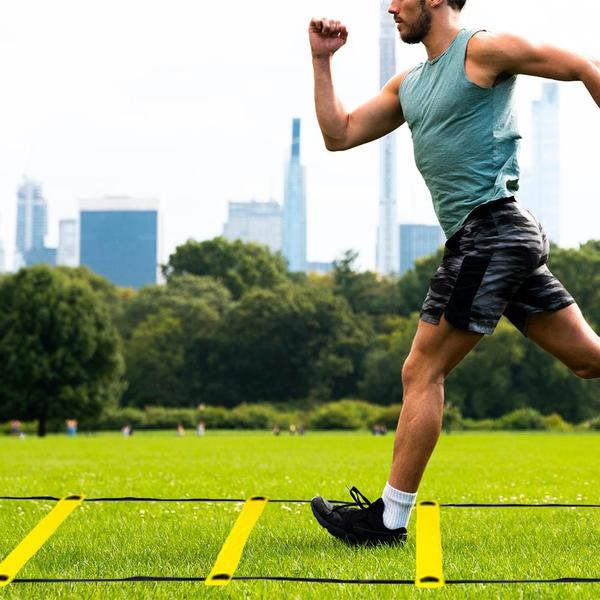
418, 33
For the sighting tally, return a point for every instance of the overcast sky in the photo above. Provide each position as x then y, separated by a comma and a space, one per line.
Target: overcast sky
191, 102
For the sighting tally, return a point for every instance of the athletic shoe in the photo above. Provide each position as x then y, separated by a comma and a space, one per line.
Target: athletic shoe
358, 522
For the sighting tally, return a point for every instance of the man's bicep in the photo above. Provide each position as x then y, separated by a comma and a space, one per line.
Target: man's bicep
376, 118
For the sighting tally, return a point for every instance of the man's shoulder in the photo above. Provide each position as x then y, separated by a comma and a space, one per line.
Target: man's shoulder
395, 83
486, 45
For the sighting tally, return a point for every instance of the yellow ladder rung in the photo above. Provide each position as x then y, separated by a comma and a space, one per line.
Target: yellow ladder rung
231, 552
429, 546
36, 538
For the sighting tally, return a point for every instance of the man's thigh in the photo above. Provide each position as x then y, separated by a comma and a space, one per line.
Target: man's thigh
568, 336
440, 348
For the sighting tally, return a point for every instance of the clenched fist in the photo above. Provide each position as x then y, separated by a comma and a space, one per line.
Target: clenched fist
326, 37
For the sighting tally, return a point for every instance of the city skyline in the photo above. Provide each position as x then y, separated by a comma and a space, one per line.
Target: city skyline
199, 129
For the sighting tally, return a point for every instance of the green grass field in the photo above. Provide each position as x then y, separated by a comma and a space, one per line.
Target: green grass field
124, 539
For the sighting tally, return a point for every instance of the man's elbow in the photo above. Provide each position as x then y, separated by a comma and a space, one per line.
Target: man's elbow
334, 145
587, 70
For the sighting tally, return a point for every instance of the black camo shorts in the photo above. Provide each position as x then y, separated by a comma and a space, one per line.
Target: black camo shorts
494, 265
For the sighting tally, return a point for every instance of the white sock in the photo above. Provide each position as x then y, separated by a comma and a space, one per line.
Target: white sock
398, 506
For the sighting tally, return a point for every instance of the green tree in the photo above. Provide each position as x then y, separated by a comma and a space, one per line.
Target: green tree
113, 297
291, 342
59, 351
181, 295
168, 332
483, 385
237, 265
365, 292
550, 387
579, 271
382, 379
155, 357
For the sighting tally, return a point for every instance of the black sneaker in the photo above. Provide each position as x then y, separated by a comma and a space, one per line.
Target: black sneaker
358, 522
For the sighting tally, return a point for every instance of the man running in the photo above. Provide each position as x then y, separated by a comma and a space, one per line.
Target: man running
459, 107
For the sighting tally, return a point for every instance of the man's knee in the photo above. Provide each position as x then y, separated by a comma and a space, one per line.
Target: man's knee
417, 370
586, 366
591, 371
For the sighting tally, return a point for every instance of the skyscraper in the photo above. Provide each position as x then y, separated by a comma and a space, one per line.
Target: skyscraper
253, 221
387, 231
540, 188
32, 225
294, 206
418, 241
67, 254
119, 238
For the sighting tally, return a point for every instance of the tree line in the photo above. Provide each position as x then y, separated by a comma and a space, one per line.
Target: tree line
232, 325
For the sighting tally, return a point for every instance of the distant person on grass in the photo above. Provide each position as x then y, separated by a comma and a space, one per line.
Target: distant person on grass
15, 427
71, 427
459, 107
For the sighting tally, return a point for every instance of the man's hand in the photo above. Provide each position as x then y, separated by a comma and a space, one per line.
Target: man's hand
326, 37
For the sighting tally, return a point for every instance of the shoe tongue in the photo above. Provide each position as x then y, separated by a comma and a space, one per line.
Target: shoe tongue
378, 506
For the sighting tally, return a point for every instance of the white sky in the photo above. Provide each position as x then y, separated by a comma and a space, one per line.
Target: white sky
191, 102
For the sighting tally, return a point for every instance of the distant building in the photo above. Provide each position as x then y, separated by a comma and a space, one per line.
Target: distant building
418, 241
294, 206
260, 222
540, 186
37, 256
319, 267
32, 225
119, 238
387, 230
67, 253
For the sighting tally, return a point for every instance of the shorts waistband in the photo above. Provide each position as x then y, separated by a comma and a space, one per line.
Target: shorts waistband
486, 209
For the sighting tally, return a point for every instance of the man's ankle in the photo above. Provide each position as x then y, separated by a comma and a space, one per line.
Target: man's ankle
398, 506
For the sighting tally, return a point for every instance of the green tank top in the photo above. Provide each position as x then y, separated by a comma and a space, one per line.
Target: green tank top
465, 137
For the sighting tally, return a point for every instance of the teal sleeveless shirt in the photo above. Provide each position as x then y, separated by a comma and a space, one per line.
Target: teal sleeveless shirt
465, 137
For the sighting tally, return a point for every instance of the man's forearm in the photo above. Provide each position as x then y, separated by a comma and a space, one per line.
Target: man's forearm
591, 79
332, 117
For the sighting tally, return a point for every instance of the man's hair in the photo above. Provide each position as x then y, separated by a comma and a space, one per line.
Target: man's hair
457, 4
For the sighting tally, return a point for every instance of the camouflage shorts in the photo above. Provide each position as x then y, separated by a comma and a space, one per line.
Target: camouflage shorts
494, 265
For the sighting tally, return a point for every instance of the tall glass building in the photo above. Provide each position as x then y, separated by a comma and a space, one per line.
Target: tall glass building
32, 225
387, 231
418, 241
67, 243
540, 188
294, 206
119, 238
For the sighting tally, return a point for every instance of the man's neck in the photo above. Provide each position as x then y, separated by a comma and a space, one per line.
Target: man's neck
443, 32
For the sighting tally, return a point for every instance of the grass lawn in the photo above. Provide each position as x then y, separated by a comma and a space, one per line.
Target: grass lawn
125, 539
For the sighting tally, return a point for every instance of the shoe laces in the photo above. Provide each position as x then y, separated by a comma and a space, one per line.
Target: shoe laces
360, 500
